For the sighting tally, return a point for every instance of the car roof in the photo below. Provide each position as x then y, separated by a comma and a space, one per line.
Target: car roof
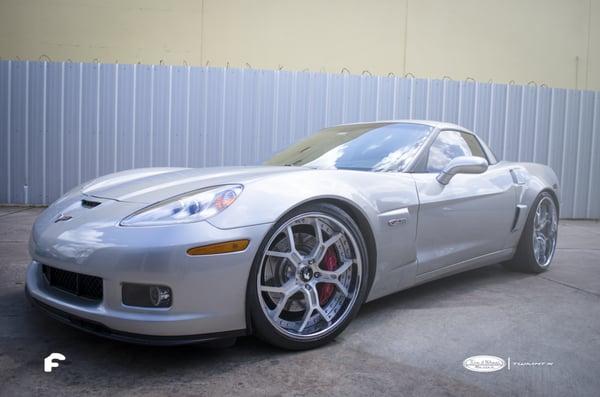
435, 124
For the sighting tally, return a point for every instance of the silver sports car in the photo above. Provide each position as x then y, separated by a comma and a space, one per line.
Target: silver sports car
288, 251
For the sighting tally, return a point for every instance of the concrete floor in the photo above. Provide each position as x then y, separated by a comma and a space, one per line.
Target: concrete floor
411, 343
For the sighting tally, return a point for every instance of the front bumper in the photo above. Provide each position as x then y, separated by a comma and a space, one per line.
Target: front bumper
209, 292
140, 339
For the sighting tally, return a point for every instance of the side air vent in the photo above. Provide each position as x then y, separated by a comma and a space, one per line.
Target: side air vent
89, 203
516, 219
520, 215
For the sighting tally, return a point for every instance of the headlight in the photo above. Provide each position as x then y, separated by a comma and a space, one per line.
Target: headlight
189, 207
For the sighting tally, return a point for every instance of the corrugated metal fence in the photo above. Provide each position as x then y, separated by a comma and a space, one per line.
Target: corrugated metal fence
64, 123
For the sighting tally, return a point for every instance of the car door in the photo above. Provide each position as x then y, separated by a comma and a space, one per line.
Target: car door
469, 217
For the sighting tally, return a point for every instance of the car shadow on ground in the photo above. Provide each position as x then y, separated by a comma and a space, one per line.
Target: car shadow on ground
121, 366
432, 294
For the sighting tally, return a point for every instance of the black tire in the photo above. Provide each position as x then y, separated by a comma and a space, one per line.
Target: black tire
524, 259
261, 325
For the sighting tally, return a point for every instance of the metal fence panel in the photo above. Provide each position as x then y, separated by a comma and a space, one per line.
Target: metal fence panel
124, 126
64, 123
35, 110
584, 156
108, 117
71, 127
4, 135
541, 134
88, 131
18, 132
593, 198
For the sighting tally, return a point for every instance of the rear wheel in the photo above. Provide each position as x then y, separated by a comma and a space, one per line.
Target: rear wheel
309, 278
538, 242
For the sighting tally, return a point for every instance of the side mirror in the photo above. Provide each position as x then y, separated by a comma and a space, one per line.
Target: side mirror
462, 165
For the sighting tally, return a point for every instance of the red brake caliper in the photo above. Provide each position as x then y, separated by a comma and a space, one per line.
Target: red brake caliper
325, 290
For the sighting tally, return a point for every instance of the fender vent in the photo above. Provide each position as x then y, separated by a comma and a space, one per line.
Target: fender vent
516, 220
520, 212
89, 203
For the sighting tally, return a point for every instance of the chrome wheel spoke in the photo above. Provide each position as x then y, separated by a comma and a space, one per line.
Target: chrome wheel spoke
305, 320
318, 252
339, 286
278, 254
311, 300
293, 256
317, 224
273, 290
287, 291
540, 225
344, 268
332, 240
324, 314
333, 277
290, 236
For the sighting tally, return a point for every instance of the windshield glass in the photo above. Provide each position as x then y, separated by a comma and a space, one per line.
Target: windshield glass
376, 147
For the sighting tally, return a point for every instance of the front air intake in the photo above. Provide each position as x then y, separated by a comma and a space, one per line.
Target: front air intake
89, 287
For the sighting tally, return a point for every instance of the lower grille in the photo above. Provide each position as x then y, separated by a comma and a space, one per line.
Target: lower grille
89, 287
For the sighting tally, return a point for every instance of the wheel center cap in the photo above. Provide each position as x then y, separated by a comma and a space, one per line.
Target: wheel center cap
306, 274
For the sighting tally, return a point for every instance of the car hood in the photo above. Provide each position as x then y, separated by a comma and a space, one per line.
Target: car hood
150, 185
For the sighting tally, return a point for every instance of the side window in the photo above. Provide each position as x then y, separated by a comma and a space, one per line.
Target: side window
451, 144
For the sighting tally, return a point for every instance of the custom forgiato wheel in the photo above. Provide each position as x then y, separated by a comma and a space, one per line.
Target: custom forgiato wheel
545, 225
309, 277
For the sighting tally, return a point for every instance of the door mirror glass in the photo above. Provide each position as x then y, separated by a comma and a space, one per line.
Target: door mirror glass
462, 165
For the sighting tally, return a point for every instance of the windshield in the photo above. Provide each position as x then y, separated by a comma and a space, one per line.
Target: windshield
375, 147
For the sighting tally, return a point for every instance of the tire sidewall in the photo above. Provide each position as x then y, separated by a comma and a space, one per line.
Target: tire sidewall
261, 325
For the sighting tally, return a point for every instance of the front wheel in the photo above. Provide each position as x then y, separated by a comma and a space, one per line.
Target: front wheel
309, 278
538, 242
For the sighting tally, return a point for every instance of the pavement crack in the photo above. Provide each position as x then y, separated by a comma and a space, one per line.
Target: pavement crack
577, 249
571, 286
16, 212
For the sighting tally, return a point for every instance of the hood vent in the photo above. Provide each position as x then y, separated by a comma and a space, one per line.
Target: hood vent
89, 203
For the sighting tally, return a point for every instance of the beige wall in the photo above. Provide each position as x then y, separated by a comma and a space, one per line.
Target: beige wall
556, 42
